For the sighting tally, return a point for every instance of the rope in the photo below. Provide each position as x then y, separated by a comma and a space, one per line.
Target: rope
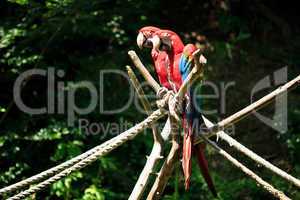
252, 155
79, 162
98, 152
50, 172
267, 186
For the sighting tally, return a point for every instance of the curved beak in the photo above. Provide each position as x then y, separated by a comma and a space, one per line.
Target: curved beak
156, 42
140, 40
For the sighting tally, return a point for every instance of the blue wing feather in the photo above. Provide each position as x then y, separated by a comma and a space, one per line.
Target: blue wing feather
185, 67
193, 117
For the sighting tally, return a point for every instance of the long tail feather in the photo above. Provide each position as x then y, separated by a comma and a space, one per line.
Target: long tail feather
191, 114
199, 151
187, 154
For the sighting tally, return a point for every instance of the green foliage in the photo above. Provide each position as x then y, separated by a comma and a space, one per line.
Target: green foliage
13, 172
93, 193
2, 110
8, 37
63, 188
21, 2
67, 150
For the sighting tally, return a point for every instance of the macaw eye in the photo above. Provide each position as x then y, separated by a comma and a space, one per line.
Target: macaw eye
166, 41
166, 44
164, 47
148, 43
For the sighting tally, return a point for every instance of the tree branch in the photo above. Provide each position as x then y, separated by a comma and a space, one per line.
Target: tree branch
145, 102
156, 153
168, 166
146, 74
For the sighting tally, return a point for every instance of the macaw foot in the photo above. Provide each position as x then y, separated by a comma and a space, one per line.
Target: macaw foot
175, 107
167, 98
202, 59
163, 94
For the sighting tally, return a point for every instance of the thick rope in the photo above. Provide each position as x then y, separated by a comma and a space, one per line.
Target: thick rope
248, 152
232, 142
267, 186
50, 172
108, 147
102, 148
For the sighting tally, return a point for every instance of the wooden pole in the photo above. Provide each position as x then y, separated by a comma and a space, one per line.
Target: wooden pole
168, 167
156, 153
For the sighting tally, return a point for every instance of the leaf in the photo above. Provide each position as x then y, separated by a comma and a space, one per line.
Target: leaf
93, 193
21, 2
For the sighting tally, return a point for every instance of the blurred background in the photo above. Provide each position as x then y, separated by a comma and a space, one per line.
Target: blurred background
244, 41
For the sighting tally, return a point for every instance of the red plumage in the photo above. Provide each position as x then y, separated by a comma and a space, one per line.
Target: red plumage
167, 66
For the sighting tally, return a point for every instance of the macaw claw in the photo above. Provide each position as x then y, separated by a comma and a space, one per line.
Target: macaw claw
162, 92
202, 60
175, 107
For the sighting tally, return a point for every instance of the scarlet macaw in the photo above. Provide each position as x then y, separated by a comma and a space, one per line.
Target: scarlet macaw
173, 62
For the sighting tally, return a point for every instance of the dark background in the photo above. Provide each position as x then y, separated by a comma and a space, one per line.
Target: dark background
244, 41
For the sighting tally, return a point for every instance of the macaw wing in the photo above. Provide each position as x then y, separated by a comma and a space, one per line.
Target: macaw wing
191, 120
186, 60
185, 66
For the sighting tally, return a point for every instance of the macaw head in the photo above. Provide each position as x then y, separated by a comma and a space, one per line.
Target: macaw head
160, 40
146, 37
169, 40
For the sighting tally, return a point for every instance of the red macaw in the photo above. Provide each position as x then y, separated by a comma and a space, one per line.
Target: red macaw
173, 62
146, 39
